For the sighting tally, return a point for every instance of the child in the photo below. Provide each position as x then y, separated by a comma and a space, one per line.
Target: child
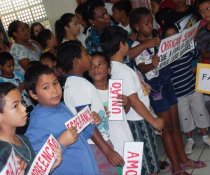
113, 43
68, 28
203, 35
74, 60
49, 60
162, 95
121, 11
12, 115
47, 40
49, 116
119, 130
35, 29
9, 74
191, 105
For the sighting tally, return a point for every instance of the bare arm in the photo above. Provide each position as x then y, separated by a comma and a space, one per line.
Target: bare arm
113, 157
24, 63
141, 109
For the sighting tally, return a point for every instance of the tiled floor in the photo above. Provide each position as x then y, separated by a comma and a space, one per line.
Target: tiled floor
200, 152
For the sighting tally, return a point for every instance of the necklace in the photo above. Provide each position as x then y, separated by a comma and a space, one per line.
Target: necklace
28, 160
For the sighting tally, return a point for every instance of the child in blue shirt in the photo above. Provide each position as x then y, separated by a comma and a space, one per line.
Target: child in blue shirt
49, 116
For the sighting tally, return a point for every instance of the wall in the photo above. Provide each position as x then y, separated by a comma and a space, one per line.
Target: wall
56, 8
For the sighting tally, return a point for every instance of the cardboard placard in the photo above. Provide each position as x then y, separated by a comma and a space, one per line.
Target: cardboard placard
173, 47
11, 167
203, 78
81, 120
116, 111
45, 159
133, 155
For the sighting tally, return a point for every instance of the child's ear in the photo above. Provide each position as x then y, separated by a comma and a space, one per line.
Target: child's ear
33, 95
76, 62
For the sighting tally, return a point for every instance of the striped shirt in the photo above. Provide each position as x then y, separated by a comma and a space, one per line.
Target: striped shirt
183, 78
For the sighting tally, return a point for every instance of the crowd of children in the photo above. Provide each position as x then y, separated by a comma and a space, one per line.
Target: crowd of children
46, 79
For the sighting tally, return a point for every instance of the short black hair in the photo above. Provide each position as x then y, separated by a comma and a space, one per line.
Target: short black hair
13, 27
111, 38
125, 5
199, 2
157, 1
166, 27
5, 88
32, 75
91, 5
4, 57
101, 54
67, 52
162, 15
43, 36
49, 56
136, 15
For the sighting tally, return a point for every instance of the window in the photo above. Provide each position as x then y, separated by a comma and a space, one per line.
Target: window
27, 11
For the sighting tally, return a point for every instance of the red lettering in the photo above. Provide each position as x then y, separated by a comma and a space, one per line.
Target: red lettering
132, 155
131, 172
116, 110
116, 85
133, 164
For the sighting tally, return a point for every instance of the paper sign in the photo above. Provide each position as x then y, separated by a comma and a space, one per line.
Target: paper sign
81, 120
133, 154
187, 41
116, 111
203, 78
173, 47
45, 159
11, 167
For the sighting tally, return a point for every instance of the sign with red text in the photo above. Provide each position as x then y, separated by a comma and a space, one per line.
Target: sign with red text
81, 120
187, 41
133, 154
203, 78
175, 46
11, 167
45, 159
115, 109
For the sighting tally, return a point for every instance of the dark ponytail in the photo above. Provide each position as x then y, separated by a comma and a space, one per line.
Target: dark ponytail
60, 24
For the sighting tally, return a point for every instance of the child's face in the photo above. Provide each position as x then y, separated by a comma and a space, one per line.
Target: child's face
99, 69
85, 60
204, 10
37, 29
73, 27
46, 61
52, 42
48, 90
117, 15
14, 112
8, 68
170, 32
154, 7
80, 19
144, 25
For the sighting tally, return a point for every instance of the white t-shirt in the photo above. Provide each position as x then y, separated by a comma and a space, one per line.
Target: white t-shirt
146, 58
78, 93
131, 85
119, 130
